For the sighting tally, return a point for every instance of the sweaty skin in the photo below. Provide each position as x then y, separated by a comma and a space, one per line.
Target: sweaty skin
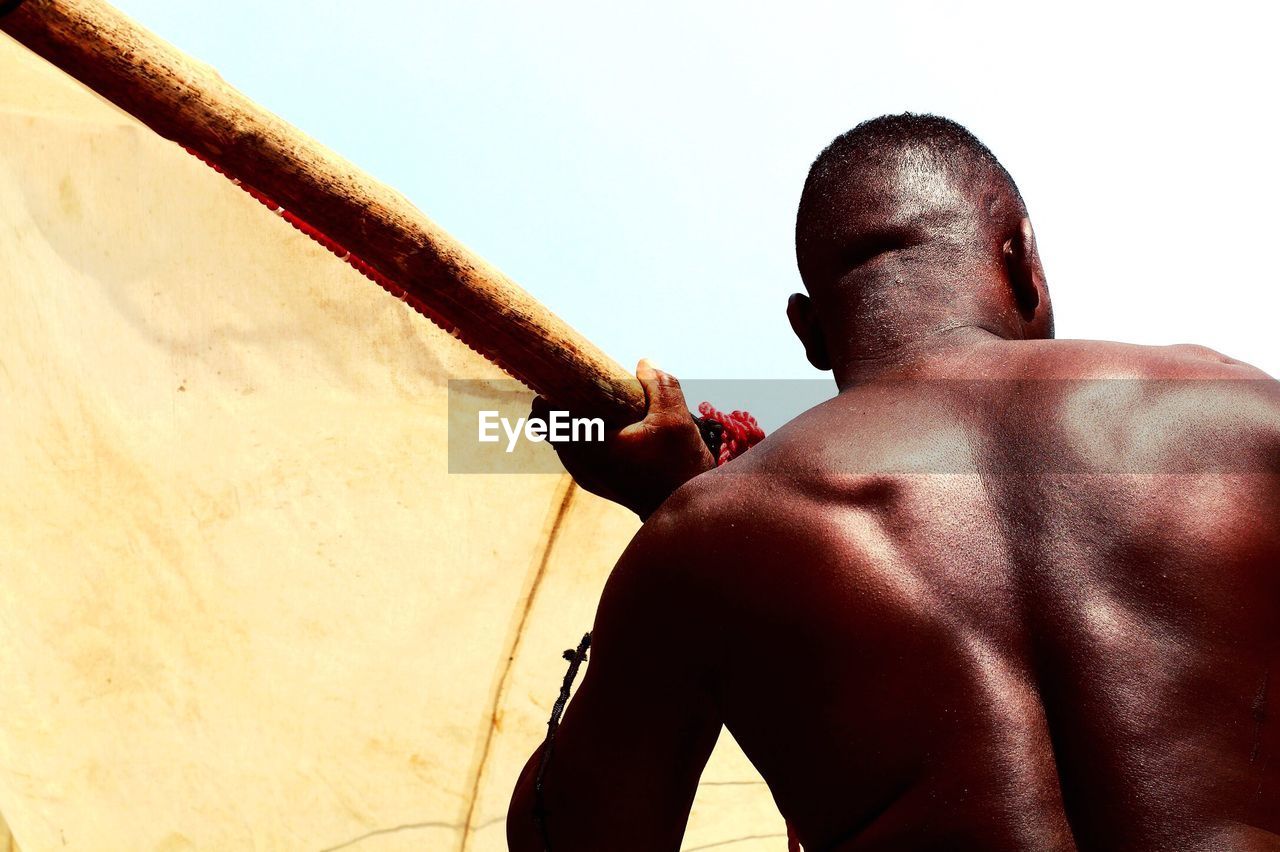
1001, 593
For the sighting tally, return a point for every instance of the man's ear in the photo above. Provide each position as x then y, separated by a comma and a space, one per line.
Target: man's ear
1026, 279
804, 322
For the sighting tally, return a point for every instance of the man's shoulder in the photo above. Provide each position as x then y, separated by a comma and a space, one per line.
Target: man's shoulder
756, 502
1187, 399
737, 543
776, 503
743, 493
1193, 361
1217, 391
1102, 359
675, 568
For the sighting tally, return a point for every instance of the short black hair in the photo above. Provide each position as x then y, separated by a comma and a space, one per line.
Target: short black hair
945, 142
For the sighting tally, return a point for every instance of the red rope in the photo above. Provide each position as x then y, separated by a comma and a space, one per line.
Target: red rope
741, 431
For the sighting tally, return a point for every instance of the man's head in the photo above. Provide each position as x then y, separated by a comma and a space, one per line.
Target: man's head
908, 226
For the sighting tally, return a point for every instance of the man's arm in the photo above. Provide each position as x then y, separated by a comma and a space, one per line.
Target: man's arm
635, 738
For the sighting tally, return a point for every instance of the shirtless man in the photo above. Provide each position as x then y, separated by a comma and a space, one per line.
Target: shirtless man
1001, 593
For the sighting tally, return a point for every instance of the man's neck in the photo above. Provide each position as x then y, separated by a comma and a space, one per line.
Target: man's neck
910, 353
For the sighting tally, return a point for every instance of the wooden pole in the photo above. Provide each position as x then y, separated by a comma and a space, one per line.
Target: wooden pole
187, 102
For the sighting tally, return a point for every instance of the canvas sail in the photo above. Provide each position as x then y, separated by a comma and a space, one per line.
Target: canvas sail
243, 604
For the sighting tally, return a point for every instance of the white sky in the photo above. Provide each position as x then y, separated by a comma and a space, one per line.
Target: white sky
637, 168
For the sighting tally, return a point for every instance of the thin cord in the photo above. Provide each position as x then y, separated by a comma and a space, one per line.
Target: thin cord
575, 658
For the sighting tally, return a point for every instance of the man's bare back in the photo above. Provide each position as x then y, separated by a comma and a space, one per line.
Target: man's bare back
930, 642
1001, 593
939, 654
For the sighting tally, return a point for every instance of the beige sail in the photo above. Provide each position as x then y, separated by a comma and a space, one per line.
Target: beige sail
243, 604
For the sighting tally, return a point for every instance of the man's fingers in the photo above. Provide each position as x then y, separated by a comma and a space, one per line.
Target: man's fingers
662, 390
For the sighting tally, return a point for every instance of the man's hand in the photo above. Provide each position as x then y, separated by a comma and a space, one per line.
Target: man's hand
641, 464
